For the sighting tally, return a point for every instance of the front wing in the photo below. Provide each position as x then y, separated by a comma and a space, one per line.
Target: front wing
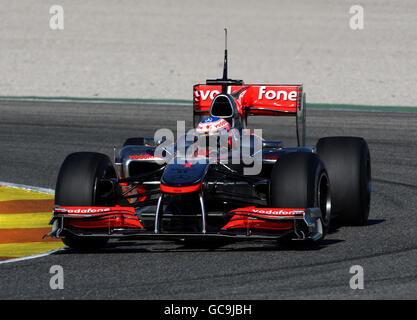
244, 224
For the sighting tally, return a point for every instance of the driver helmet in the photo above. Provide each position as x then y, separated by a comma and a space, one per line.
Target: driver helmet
213, 126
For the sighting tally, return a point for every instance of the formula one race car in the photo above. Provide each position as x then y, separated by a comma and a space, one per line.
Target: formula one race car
219, 181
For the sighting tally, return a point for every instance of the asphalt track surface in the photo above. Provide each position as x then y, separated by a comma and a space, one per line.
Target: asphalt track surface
36, 136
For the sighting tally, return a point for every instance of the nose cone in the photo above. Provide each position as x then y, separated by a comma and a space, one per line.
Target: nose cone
182, 174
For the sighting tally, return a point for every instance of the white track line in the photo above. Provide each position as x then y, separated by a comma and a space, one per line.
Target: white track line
34, 256
37, 189
25, 187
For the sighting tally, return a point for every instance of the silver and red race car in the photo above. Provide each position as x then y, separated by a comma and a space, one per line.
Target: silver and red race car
219, 181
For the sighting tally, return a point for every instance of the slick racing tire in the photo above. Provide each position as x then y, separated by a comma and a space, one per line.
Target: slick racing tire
299, 180
77, 185
348, 163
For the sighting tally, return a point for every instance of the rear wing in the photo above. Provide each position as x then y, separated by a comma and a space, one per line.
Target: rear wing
256, 100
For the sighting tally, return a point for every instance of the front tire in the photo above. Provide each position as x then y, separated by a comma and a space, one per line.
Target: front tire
299, 180
78, 185
348, 163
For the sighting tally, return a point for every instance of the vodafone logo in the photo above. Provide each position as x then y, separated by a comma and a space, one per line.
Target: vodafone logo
220, 125
276, 95
141, 157
275, 212
210, 94
89, 210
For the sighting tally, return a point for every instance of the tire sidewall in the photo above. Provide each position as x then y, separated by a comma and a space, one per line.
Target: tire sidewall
295, 182
347, 160
77, 185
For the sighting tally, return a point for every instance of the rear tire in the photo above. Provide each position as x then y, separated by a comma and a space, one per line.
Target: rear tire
299, 180
347, 161
77, 185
